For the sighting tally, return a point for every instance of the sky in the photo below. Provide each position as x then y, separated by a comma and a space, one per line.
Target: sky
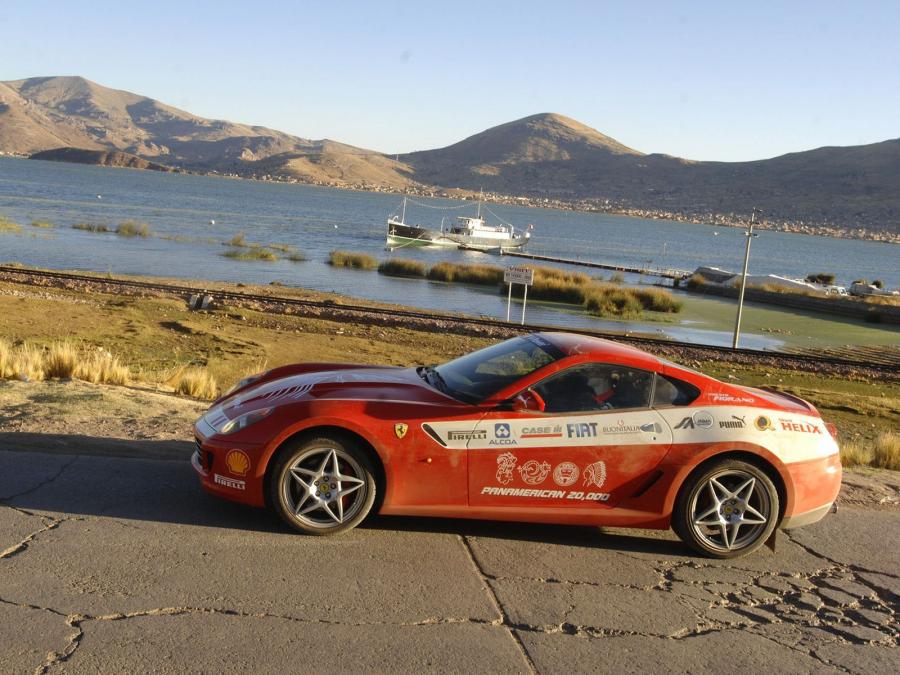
703, 80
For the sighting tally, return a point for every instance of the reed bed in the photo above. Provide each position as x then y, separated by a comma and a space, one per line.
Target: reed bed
402, 267
481, 275
132, 228
9, 227
251, 254
360, 261
43, 224
90, 227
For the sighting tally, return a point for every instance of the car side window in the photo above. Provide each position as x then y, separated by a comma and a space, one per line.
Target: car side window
671, 391
596, 387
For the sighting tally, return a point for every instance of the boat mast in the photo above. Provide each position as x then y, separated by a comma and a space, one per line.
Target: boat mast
480, 197
403, 214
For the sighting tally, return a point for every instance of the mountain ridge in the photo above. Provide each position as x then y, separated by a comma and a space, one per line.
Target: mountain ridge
546, 156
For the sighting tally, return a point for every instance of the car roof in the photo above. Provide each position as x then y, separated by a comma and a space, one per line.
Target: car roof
572, 344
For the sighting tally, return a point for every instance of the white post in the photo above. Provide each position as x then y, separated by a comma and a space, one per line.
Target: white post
508, 302
740, 310
524, 301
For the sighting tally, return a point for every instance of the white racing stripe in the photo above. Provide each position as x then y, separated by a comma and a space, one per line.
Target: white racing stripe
789, 436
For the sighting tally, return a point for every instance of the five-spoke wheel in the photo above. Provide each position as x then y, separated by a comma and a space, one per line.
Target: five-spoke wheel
726, 511
323, 486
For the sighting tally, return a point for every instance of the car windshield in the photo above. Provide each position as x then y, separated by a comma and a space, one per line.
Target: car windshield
476, 376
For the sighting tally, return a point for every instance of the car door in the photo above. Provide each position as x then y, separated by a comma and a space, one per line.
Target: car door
595, 442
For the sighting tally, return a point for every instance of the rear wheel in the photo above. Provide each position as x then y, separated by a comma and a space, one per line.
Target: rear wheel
323, 486
726, 511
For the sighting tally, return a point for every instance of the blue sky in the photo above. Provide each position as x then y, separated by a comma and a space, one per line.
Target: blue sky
703, 80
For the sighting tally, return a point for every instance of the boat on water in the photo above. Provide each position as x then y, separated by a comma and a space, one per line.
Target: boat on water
465, 232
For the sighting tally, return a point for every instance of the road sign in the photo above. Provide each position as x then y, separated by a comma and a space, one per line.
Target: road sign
518, 275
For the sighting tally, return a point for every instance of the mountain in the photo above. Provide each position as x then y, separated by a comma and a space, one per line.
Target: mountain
546, 156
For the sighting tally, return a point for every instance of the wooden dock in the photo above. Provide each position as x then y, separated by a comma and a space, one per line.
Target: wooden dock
666, 273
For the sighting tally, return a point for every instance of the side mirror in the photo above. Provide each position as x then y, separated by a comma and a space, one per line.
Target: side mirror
529, 400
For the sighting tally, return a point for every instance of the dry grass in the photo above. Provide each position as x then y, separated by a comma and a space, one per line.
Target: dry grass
60, 360
238, 241
43, 224
27, 363
402, 267
360, 261
90, 227
101, 367
131, 228
882, 453
196, 383
297, 256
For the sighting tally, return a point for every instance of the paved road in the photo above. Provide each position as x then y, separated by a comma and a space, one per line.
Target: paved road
123, 565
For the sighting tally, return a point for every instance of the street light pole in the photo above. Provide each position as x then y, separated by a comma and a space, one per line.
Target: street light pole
737, 324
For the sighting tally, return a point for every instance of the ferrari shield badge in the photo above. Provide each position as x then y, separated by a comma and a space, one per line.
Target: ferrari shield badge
400, 429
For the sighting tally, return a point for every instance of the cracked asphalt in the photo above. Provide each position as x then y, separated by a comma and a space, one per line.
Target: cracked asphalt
112, 564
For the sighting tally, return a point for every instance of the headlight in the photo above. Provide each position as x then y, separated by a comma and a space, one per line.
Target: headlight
225, 426
243, 383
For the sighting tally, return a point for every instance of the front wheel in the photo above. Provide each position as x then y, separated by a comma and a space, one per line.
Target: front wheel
727, 511
323, 486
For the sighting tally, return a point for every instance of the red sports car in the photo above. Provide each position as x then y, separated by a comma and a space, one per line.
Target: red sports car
549, 428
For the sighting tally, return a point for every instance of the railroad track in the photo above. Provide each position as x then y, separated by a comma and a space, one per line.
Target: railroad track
887, 360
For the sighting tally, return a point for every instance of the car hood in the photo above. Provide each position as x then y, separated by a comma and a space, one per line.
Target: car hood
367, 384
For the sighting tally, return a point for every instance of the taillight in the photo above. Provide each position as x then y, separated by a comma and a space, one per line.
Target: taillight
832, 430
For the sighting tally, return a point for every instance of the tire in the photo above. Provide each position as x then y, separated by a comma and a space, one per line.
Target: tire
322, 486
726, 510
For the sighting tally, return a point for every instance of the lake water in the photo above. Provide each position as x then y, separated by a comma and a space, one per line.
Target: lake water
319, 220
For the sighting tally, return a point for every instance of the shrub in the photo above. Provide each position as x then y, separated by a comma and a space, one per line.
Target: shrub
6, 359
131, 228
552, 273
196, 383
826, 279
90, 227
696, 280
856, 454
251, 254
401, 267
360, 261
296, 256
617, 278
878, 283
43, 224
612, 301
553, 290
658, 300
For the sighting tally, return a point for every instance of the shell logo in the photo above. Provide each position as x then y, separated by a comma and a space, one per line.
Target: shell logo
237, 462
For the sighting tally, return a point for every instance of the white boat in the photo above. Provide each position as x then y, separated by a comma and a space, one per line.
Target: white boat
467, 232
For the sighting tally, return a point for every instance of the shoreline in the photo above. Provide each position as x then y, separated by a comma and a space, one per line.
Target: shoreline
594, 205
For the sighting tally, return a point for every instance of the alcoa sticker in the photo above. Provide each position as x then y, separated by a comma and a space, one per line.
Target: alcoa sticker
534, 472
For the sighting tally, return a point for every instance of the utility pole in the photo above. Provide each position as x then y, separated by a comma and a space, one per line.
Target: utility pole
737, 324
